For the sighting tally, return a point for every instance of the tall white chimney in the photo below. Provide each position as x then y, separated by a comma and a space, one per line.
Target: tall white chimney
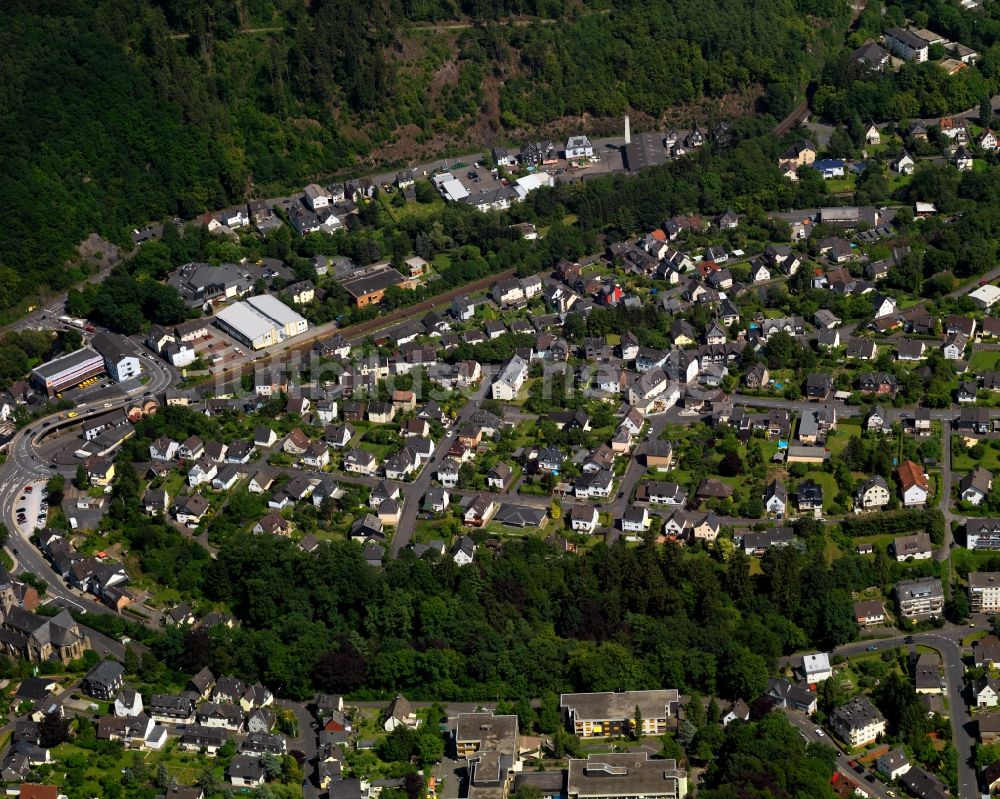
628, 131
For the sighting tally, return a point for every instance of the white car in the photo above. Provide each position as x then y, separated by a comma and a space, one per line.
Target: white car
818, 732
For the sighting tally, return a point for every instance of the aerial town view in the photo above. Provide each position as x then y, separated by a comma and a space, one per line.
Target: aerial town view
526, 400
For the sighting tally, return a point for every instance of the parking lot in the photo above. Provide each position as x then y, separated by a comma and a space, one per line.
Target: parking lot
31, 509
219, 350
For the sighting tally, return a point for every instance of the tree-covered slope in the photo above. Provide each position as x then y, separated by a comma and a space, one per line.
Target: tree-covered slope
114, 112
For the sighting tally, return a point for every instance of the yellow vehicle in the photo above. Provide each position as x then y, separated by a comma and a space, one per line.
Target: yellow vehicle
71, 414
58, 395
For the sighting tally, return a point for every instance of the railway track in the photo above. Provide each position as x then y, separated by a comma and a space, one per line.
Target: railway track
362, 329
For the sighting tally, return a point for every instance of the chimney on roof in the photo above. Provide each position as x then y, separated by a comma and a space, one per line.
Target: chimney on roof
628, 131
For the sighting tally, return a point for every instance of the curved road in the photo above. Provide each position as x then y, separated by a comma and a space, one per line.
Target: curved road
948, 642
24, 466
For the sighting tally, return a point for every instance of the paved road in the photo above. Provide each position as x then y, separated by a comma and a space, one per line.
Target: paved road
24, 465
636, 467
808, 730
47, 315
306, 743
948, 642
944, 501
413, 493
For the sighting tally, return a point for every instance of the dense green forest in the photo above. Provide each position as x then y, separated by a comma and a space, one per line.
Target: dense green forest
115, 113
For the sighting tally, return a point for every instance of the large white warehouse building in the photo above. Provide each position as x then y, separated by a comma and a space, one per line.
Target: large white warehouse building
261, 321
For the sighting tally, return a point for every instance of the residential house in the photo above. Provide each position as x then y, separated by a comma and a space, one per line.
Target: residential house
869, 612
510, 379
903, 164
877, 383
583, 519
809, 496
479, 511
776, 498
400, 713
818, 386
757, 376
448, 474
872, 494
464, 551
359, 461
986, 691
976, 486
916, 546
984, 592
784, 694
914, 484
104, 681
893, 764
920, 598
816, 667
919, 782
635, 520
858, 722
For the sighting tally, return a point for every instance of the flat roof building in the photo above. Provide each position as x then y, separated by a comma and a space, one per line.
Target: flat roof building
630, 775
984, 592
451, 188
66, 371
921, 598
612, 713
486, 732
246, 324
290, 322
261, 321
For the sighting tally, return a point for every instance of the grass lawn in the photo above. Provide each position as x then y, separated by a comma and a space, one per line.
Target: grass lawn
184, 767
831, 550
984, 361
380, 451
427, 530
412, 207
173, 484
838, 185
966, 463
165, 598
830, 488
973, 561
837, 439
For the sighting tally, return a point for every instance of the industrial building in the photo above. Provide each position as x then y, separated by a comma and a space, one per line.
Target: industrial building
66, 371
261, 321
289, 322
368, 286
645, 150
451, 188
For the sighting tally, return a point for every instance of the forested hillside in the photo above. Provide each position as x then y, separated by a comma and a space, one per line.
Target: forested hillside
114, 112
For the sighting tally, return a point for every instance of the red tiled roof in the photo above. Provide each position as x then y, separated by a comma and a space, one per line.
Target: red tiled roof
910, 474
